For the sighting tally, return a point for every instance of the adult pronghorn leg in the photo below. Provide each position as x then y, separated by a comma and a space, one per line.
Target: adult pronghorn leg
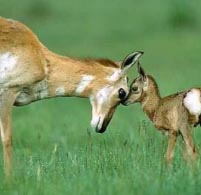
7, 98
189, 144
172, 138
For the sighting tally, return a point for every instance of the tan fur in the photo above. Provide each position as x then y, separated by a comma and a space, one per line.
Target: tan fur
30, 72
168, 114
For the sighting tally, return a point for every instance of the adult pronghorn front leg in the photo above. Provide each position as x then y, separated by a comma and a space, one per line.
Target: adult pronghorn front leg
7, 98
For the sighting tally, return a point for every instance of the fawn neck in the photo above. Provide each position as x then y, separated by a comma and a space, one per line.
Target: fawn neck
151, 98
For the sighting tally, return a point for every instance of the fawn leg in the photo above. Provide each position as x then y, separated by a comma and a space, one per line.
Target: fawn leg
189, 144
172, 138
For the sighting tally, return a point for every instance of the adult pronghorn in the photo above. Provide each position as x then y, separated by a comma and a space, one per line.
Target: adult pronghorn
30, 72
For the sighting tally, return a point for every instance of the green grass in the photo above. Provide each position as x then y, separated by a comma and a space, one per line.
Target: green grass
54, 153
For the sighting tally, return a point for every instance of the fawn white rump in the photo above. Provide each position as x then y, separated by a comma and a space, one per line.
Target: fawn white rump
30, 72
175, 114
192, 101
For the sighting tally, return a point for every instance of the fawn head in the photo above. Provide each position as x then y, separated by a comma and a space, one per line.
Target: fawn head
138, 87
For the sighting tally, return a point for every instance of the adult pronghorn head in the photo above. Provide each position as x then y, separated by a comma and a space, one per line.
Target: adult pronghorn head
110, 92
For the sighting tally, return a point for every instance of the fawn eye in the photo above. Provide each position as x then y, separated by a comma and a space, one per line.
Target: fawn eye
134, 89
122, 93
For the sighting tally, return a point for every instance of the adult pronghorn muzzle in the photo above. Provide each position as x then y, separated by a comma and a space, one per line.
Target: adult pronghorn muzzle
100, 123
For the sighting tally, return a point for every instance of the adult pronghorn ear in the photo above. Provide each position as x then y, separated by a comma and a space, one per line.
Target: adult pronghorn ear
130, 60
141, 72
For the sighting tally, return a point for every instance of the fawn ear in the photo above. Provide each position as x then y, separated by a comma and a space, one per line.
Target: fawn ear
130, 60
141, 72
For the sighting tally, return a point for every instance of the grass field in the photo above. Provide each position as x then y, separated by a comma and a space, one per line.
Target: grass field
54, 153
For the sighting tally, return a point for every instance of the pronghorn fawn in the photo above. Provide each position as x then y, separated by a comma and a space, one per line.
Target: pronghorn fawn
176, 114
30, 72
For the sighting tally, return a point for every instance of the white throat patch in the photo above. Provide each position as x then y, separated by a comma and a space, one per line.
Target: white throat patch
85, 81
103, 94
192, 101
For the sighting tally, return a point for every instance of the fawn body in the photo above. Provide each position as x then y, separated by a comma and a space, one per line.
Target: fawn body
176, 114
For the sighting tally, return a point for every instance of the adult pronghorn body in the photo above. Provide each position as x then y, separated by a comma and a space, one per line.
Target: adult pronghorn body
30, 72
175, 114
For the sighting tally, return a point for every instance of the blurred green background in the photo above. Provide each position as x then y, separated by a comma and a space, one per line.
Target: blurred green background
53, 151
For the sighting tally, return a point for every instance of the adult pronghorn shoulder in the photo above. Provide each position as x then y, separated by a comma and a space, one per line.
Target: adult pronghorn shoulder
30, 72
176, 114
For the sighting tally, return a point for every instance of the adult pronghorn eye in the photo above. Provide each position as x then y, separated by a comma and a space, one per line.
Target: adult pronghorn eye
122, 94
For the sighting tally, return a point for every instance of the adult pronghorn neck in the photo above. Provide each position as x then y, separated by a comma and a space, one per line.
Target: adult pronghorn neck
75, 77
151, 98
